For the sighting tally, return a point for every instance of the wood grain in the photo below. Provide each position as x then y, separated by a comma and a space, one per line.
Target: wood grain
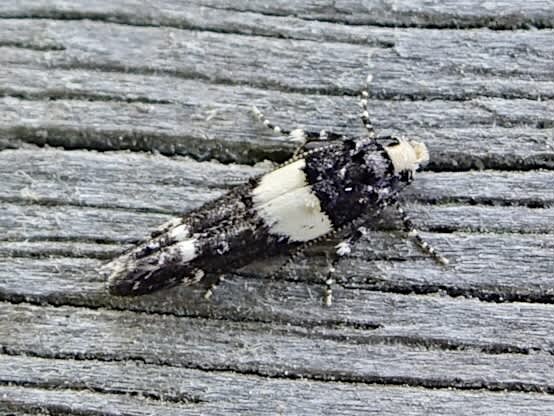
201, 392
117, 115
447, 86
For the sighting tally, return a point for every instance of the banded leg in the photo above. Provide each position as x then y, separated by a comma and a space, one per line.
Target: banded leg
365, 113
356, 230
298, 136
409, 227
342, 249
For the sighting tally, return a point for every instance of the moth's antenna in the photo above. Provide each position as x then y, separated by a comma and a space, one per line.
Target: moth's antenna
365, 114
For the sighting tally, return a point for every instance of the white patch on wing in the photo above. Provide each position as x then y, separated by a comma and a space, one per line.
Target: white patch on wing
116, 268
296, 215
407, 155
198, 275
185, 251
279, 182
287, 205
180, 233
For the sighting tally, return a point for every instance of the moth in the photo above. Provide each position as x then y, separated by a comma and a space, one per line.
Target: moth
341, 185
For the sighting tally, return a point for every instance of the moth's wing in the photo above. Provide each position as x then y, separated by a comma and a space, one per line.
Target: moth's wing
208, 215
281, 198
130, 276
167, 259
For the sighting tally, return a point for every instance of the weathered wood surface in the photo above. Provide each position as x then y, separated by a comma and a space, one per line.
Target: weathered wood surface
404, 336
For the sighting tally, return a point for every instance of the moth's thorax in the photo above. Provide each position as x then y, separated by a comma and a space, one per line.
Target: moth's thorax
351, 179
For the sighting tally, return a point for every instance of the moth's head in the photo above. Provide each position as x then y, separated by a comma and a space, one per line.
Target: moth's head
406, 155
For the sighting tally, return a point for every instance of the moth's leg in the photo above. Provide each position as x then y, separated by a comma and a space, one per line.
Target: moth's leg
300, 137
353, 233
409, 227
296, 254
342, 249
365, 113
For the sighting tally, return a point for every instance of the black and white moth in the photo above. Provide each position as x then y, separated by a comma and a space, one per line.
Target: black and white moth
341, 185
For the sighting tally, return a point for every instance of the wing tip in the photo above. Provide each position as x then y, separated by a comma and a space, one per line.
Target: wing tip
126, 276
117, 274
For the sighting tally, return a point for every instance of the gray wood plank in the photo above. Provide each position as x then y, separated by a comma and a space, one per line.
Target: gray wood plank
93, 180
404, 317
412, 63
219, 123
179, 79
418, 403
498, 133
187, 15
217, 57
37, 179
218, 15
451, 13
230, 393
159, 184
68, 223
18, 401
263, 349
